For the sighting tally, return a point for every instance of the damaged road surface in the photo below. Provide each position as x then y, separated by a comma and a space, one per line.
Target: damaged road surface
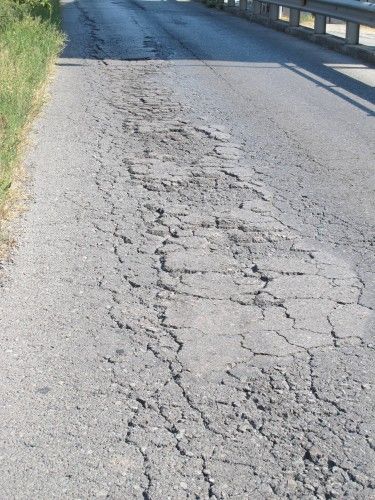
189, 312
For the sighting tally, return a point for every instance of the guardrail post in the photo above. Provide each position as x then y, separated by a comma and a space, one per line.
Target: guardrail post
352, 33
294, 17
257, 6
320, 24
243, 5
273, 12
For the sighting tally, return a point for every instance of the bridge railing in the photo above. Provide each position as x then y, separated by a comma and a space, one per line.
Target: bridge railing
353, 12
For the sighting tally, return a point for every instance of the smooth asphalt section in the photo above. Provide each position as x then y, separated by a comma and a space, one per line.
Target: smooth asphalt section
189, 310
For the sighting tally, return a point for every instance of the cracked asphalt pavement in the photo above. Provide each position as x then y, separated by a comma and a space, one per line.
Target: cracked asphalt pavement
189, 311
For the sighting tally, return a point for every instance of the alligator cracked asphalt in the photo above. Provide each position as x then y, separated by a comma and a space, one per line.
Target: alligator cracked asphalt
189, 310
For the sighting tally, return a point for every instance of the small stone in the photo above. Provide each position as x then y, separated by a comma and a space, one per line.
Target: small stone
314, 454
43, 390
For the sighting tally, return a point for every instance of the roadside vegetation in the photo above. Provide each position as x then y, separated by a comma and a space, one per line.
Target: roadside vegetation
30, 40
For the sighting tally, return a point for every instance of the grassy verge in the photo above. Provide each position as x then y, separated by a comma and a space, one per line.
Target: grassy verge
30, 40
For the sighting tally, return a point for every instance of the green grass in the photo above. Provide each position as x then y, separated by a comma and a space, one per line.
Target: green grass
30, 40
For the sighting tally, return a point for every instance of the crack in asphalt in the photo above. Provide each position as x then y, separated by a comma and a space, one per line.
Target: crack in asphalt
197, 345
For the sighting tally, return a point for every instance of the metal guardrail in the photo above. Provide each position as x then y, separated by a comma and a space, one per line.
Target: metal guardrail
354, 12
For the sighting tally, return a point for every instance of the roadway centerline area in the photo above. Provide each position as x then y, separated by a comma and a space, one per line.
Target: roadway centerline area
189, 312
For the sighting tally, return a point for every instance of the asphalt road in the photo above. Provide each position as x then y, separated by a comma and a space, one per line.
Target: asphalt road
189, 311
